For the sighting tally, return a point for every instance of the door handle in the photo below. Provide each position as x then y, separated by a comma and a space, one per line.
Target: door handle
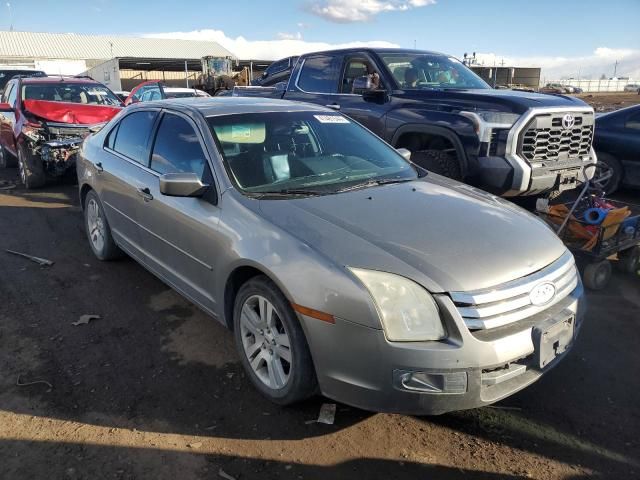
145, 193
99, 167
333, 106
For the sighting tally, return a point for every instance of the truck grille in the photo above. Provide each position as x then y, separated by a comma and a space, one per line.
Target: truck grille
511, 302
545, 138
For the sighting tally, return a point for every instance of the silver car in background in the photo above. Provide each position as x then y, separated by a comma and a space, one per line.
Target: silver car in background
340, 266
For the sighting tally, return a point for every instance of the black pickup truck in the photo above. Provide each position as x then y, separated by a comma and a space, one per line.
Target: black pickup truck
508, 142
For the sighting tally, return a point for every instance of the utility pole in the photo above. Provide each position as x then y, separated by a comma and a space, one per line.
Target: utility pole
615, 69
10, 16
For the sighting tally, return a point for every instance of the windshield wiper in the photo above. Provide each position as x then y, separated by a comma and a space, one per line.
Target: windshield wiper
373, 183
291, 191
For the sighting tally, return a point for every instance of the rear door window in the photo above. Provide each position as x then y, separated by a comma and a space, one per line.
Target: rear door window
177, 147
133, 136
320, 74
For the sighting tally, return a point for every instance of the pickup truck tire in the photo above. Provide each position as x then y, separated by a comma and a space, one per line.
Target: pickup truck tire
6, 159
30, 168
438, 161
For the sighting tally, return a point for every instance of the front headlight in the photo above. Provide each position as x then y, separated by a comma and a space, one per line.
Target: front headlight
502, 119
407, 311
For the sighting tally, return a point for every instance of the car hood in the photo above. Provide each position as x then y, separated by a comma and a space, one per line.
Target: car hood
74, 113
444, 235
504, 100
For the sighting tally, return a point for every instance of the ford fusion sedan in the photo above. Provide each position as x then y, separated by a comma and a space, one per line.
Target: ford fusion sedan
340, 267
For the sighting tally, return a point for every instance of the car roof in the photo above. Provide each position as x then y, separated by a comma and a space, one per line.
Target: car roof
59, 79
218, 106
375, 50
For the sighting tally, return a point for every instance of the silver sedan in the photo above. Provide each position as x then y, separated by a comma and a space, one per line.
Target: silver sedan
340, 266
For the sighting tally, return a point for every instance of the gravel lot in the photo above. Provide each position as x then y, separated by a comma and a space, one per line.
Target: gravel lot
153, 388
606, 102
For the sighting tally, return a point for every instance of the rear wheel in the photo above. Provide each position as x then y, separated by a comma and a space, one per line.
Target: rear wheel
438, 161
98, 230
629, 260
271, 343
597, 275
30, 169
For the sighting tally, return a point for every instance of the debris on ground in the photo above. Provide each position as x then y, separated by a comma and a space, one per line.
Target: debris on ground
40, 261
225, 475
195, 445
85, 319
327, 413
36, 382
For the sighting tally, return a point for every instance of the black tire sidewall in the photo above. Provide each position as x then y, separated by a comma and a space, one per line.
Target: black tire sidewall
302, 380
592, 273
34, 170
616, 167
439, 162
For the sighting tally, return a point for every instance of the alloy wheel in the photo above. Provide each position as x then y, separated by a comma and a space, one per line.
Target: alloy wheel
95, 224
22, 169
603, 175
266, 342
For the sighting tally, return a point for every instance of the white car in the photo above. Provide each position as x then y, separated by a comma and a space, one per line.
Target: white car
632, 87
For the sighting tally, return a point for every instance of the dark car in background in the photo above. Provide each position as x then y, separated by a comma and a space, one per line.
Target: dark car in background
7, 74
277, 72
617, 143
43, 121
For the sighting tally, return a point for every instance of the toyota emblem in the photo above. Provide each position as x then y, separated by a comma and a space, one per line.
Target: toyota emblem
568, 121
542, 294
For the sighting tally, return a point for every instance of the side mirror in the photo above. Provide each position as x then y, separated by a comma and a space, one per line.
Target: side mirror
182, 185
362, 84
265, 74
5, 107
406, 154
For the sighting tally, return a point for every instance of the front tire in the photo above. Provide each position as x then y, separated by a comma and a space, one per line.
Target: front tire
6, 159
30, 169
271, 343
438, 161
98, 230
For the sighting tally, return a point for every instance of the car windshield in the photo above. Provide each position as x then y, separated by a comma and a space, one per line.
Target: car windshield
428, 71
86, 93
297, 153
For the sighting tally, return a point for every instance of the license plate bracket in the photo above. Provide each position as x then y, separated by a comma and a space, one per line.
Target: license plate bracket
553, 339
567, 180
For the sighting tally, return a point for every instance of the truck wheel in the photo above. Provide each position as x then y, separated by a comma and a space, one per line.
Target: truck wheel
438, 161
596, 276
629, 260
30, 168
608, 173
271, 343
6, 159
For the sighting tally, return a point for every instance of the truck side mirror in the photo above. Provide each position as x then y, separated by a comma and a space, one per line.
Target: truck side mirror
406, 153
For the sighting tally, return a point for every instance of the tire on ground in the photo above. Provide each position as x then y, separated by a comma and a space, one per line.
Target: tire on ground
616, 170
596, 275
30, 167
629, 260
109, 251
6, 159
302, 382
438, 161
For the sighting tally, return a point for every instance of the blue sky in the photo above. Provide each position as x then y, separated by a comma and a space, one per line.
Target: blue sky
517, 30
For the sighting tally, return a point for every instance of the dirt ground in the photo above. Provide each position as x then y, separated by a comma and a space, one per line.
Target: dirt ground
606, 102
153, 388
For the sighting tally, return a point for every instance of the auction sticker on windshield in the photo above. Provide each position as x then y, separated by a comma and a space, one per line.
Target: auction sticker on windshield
331, 119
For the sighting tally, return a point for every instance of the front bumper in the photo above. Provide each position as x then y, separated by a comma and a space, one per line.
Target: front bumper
356, 365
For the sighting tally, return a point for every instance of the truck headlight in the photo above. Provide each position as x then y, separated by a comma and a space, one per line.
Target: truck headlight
407, 311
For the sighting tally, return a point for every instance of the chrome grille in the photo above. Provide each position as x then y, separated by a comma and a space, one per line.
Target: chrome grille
545, 139
510, 302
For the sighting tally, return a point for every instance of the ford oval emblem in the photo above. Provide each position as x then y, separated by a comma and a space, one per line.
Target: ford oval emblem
542, 293
568, 121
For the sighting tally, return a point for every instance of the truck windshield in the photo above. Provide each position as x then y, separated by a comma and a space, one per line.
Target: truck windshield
298, 153
428, 71
87, 93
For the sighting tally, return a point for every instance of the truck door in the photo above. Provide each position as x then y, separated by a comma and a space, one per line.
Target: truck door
367, 106
316, 80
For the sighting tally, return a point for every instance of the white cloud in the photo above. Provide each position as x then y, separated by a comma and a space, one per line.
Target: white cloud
600, 61
289, 36
265, 49
350, 11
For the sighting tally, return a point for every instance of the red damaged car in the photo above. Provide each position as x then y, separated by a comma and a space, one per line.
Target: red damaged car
43, 121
